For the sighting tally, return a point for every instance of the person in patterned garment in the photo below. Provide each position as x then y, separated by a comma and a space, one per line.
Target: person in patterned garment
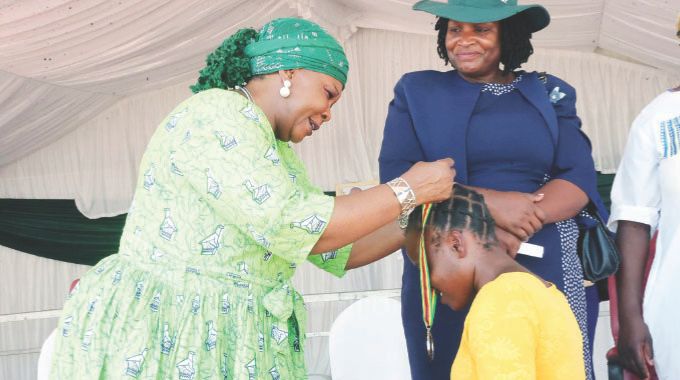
645, 193
519, 326
223, 213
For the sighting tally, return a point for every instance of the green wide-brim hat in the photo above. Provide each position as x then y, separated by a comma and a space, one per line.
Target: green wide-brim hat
477, 11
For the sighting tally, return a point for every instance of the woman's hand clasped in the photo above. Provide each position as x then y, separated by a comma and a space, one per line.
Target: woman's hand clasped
431, 181
516, 213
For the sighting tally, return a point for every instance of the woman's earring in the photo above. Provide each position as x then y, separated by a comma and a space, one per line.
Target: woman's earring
284, 91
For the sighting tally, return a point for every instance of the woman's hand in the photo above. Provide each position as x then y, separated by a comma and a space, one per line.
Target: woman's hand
431, 181
362, 212
515, 212
509, 242
635, 346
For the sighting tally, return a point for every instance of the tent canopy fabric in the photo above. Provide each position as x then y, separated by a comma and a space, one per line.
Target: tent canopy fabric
83, 84
62, 62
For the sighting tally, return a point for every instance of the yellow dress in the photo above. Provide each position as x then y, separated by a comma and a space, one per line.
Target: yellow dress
518, 328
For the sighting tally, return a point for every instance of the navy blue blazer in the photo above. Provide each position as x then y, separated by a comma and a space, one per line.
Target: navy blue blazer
428, 120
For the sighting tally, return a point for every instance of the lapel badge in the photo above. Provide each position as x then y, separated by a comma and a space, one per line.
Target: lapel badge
556, 95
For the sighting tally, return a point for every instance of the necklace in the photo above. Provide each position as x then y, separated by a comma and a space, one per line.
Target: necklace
245, 93
501, 88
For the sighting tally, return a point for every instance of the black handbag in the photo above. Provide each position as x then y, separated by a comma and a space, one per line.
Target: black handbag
596, 248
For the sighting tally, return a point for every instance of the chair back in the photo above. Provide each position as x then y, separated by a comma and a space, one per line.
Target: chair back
45, 357
367, 342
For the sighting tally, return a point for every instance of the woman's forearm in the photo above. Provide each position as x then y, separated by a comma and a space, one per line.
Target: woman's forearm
375, 246
357, 215
361, 213
562, 200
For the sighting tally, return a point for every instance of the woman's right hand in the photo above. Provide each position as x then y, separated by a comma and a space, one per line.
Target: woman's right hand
516, 212
431, 181
509, 242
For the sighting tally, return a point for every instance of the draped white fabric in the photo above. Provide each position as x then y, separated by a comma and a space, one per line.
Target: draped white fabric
97, 163
63, 61
83, 84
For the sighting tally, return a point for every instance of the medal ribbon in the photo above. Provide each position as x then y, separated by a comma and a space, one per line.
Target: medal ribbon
428, 295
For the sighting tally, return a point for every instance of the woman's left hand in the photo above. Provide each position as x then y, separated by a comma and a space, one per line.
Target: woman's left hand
515, 212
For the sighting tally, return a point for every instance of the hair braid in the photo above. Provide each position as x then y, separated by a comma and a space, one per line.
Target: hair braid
442, 26
516, 45
465, 210
228, 65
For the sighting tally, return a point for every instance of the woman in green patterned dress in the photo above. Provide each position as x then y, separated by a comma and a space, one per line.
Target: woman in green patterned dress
223, 213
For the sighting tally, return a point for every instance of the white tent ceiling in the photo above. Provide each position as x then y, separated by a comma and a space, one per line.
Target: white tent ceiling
62, 62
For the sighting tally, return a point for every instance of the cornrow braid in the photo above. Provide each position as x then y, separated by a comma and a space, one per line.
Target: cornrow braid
515, 39
465, 210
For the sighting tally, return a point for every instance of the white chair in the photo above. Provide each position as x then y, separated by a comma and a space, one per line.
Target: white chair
367, 342
45, 358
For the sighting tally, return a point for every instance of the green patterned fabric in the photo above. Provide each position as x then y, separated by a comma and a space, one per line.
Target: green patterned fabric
200, 289
291, 43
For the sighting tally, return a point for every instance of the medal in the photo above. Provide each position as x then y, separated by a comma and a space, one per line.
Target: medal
429, 344
428, 295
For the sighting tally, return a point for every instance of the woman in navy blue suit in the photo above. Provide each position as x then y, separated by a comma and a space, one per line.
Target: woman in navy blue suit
515, 137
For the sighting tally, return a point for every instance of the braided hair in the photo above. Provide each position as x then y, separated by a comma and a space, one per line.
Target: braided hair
228, 65
515, 37
465, 210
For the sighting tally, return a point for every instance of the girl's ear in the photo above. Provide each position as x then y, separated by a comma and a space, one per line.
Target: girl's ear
454, 240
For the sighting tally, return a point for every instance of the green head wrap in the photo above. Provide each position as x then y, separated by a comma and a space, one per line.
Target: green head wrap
291, 43
281, 44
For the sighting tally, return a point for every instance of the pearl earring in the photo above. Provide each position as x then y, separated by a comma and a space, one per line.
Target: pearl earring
284, 91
